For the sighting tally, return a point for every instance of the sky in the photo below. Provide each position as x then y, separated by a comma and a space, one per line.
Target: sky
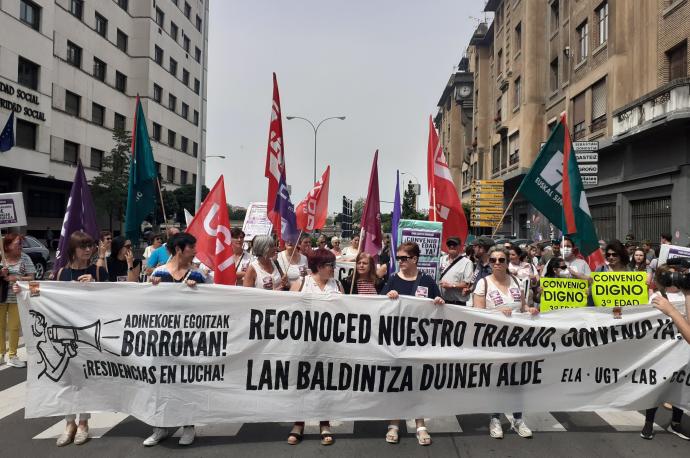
381, 63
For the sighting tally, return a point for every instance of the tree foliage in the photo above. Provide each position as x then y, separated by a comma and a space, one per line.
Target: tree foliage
109, 188
409, 210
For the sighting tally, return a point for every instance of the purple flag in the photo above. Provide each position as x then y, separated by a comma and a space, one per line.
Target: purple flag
288, 219
80, 216
370, 236
395, 221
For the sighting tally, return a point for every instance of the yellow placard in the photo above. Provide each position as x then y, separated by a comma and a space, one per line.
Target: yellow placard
474, 223
615, 289
495, 182
486, 195
562, 293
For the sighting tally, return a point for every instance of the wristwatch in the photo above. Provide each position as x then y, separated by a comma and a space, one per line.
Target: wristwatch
130, 268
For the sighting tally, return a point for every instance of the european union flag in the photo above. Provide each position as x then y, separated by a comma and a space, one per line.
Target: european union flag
7, 135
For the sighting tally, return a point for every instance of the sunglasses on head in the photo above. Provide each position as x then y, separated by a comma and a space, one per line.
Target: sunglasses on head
403, 258
497, 260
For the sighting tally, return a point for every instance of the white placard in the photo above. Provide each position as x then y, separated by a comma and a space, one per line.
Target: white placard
587, 157
12, 212
588, 168
667, 252
256, 221
590, 180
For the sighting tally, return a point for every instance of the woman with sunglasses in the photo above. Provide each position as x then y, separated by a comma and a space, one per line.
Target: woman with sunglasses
638, 263
501, 291
320, 281
617, 259
121, 265
410, 281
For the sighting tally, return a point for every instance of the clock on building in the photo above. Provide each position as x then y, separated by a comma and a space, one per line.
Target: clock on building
465, 91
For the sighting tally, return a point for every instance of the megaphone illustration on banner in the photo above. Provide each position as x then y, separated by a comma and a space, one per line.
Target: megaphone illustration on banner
90, 334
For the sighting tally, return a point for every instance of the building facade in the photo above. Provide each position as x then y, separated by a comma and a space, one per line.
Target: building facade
71, 71
619, 70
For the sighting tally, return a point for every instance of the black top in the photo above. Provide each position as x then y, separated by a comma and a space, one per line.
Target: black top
117, 268
69, 274
425, 286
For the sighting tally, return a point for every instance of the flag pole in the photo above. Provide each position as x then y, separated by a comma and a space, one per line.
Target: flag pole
433, 192
510, 204
160, 194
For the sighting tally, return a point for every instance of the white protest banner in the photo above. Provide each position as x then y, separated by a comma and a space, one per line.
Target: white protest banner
12, 210
667, 252
256, 221
172, 355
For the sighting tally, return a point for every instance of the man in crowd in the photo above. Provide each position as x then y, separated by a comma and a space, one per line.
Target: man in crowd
481, 254
456, 274
665, 239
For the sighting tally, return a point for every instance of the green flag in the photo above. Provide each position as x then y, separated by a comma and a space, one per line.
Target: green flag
554, 186
142, 178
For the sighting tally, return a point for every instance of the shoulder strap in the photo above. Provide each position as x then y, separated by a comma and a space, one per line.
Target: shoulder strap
59, 273
240, 261
340, 286
445, 271
301, 286
277, 264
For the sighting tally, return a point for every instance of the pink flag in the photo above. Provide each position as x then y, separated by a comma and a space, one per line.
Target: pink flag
371, 237
313, 210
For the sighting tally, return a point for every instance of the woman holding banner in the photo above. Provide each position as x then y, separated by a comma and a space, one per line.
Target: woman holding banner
320, 281
501, 291
617, 258
264, 273
410, 281
364, 276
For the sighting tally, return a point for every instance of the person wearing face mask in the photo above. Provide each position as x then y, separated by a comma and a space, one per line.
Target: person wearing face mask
577, 267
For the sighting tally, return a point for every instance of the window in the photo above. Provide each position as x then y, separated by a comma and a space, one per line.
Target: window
195, 149
197, 54
517, 96
119, 121
70, 152
25, 134
124, 4
598, 105
157, 93
196, 118
499, 62
160, 17
496, 158
555, 16
579, 117
173, 67
99, 69
196, 85
172, 102
173, 30
27, 73
518, 37
603, 19
122, 40
96, 159
101, 25
97, 114
185, 110
185, 76
678, 61
171, 138
30, 14
73, 54
184, 144
198, 23
582, 38
170, 176
76, 7
46, 204
157, 132
158, 55
183, 177
72, 103
499, 109
194, 179
186, 42
187, 10
120, 81
514, 157
553, 75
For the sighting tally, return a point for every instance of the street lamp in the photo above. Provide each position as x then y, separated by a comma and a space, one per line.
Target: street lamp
316, 130
417, 188
199, 169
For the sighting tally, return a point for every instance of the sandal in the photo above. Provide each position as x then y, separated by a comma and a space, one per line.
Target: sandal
295, 437
392, 436
423, 437
326, 437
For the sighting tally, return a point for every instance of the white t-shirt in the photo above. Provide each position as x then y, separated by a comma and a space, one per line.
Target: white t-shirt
497, 298
266, 280
578, 265
294, 271
242, 261
311, 286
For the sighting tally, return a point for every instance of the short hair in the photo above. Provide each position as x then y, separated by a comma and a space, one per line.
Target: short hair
104, 233
180, 240
411, 248
646, 242
616, 246
76, 240
10, 238
319, 257
335, 240
262, 244
667, 236
153, 236
569, 239
499, 249
516, 249
660, 271
304, 236
371, 274
236, 233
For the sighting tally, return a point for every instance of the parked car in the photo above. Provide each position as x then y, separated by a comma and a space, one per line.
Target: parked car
38, 253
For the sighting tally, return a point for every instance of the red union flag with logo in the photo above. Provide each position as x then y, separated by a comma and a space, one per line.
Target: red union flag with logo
445, 204
313, 210
211, 227
275, 159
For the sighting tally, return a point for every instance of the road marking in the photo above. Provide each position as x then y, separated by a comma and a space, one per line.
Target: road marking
99, 425
12, 399
539, 421
625, 421
436, 425
337, 427
223, 429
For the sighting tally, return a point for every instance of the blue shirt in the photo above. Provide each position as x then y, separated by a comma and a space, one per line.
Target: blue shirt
159, 257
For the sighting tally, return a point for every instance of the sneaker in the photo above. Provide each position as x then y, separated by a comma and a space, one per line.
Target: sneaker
521, 428
188, 435
647, 431
495, 428
158, 435
678, 431
15, 362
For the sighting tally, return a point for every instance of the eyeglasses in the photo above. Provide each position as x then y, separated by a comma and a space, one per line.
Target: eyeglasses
563, 267
497, 260
328, 264
451, 245
611, 255
403, 258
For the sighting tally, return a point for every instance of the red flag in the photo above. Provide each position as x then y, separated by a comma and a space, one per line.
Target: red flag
445, 204
211, 227
596, 260
371, 237
313, 210
275, 160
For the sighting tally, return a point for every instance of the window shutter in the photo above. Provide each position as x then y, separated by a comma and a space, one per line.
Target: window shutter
579, 109
599, 99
